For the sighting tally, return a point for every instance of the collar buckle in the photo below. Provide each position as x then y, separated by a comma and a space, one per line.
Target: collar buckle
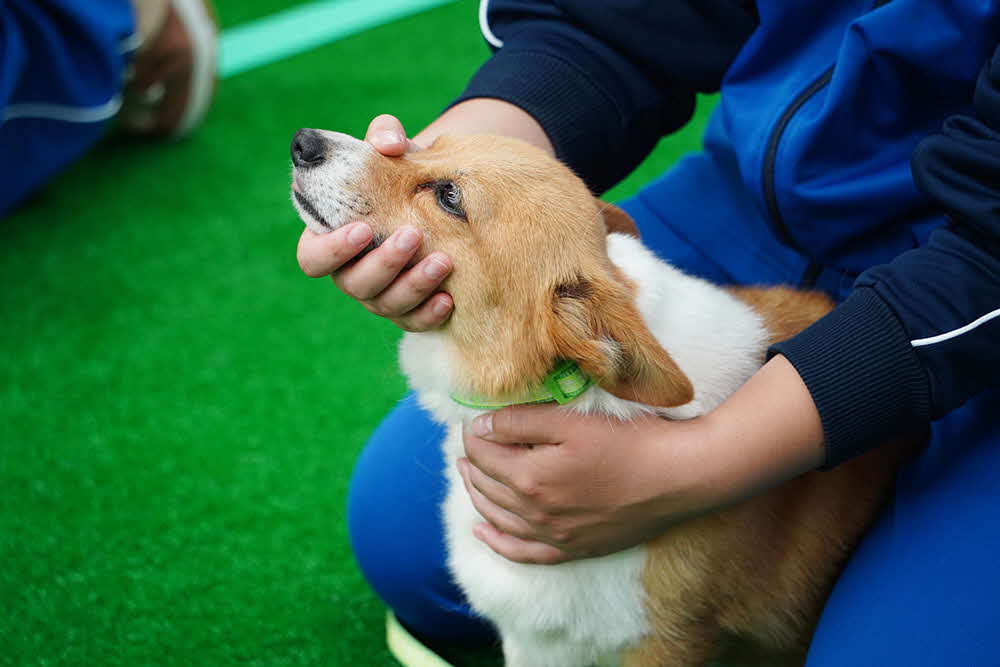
566, 382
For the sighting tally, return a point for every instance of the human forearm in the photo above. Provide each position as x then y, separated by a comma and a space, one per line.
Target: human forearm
486, 116
767, 432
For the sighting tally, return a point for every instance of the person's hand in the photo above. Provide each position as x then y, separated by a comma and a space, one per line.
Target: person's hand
408, 298
588, 485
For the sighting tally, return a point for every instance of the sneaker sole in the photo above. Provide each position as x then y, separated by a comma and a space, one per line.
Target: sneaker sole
406, 648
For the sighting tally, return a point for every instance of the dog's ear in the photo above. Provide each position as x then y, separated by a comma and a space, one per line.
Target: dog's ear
617, 220
597, 326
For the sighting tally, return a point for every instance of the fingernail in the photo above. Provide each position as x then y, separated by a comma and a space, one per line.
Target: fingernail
441, 307
479, 531
389, 137
435, 268
359, 235
407, 239
482, 425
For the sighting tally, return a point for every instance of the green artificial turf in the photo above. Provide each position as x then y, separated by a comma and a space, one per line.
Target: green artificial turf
179, 405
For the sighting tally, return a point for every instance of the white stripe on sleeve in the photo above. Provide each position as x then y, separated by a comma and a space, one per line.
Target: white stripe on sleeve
62, 112
921, 342
484, 25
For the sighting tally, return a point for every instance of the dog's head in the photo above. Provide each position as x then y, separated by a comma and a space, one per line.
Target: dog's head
532, 281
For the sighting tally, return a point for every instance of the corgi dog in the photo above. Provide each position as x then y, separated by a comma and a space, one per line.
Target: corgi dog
539, 284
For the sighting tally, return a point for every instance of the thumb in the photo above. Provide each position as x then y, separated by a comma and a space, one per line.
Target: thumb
387, 135
535, 425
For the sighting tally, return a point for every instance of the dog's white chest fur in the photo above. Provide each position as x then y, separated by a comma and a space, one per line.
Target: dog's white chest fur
586, 612
578, 613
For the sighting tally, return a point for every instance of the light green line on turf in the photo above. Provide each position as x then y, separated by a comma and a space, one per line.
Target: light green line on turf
305, 27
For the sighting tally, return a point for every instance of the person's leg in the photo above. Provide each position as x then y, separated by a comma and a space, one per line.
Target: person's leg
174, 68
62, 74
61, 67
394, 519
921, 588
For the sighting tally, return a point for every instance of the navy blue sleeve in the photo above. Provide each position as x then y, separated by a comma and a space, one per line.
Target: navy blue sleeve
607, 78
921, 335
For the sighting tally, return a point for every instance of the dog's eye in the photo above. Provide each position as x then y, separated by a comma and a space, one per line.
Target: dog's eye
450, 198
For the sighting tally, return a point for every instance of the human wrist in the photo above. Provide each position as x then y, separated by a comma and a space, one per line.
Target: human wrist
767, 432
682, 475
863, 373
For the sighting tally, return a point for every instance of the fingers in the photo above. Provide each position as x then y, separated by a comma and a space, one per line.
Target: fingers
377, 269
429, 315
520, 424
497, 494
498, 460
406, 298
387, 135
520, 550
322, 254
377, 280
494, 441
411, 288
504, 520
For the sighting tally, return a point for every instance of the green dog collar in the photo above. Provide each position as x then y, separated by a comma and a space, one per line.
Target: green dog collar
564, 383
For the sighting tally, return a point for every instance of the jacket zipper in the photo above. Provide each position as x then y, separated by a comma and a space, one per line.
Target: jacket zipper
771, 156
770, 160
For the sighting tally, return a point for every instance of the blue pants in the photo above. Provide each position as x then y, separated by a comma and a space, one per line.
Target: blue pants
61, 72
921, 589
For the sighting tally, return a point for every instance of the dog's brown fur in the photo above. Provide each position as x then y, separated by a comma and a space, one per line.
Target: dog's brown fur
517, 266
751, 580
532, 283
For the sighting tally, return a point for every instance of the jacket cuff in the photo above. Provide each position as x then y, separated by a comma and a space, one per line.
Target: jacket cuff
863, 375
563, 100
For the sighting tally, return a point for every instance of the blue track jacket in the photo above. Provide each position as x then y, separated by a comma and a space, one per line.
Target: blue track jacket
865, 134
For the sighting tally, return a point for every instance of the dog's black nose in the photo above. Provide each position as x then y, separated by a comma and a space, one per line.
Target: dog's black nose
308, 148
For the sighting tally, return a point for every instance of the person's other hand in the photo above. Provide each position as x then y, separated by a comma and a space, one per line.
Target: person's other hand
408, 298
590, 485
587, 486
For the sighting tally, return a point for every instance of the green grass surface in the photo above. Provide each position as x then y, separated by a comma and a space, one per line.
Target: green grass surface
179, 405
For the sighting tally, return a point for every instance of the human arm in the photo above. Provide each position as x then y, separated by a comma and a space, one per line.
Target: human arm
878, 366
918, 336
605, 80
590, 486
